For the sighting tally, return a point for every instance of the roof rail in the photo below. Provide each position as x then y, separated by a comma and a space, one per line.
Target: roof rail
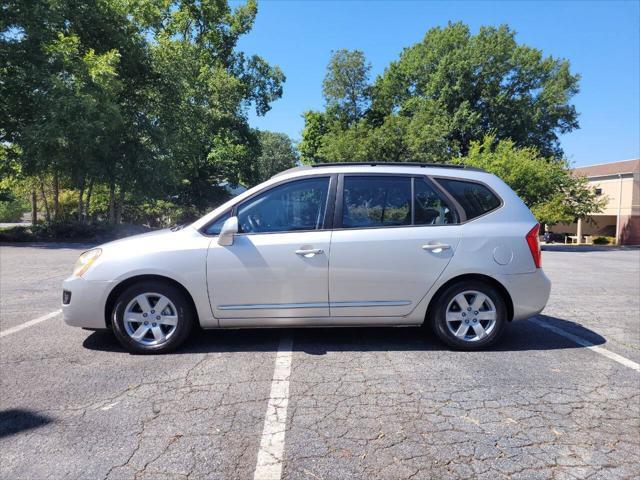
397, 164
292, 169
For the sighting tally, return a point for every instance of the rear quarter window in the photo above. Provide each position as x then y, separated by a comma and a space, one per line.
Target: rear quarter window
474, 198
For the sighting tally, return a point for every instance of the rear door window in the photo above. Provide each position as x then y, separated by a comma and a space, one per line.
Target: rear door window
474, 198
386, 201
430, 207
376, 201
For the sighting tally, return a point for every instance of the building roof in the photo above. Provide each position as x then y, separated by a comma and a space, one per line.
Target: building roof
605, 169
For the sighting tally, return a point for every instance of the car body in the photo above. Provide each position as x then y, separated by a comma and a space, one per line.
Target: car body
327, 245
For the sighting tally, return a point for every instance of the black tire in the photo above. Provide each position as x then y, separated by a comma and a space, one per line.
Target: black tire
438, 321
184, 312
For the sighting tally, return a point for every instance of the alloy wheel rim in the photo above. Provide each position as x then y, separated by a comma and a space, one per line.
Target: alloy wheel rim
471, 316
150, 319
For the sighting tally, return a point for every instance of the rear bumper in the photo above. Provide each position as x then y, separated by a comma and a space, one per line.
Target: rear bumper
529, 292
86, 306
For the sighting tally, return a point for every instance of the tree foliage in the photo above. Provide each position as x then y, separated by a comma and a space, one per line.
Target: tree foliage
277, 154
206, 88
346, 85
442, 94
148, 98
546, 185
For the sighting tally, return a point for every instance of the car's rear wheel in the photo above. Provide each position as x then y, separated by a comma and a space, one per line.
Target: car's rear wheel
152, 317
469, 315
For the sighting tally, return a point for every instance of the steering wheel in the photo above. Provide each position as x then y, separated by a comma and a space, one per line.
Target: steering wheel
252, 223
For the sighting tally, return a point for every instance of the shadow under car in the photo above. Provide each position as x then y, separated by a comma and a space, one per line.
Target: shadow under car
521, 335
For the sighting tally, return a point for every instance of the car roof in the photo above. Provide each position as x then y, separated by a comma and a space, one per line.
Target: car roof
381, 167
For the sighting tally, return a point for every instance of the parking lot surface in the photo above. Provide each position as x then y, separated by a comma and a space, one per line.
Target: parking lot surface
348, 403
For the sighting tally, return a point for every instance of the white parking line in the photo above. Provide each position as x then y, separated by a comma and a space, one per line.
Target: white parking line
586, 343
271, 453
30, 323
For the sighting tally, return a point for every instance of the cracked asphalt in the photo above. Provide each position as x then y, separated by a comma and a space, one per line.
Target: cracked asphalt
363, 403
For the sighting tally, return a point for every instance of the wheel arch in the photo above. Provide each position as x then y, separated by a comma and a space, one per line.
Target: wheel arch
476, 277
126, 283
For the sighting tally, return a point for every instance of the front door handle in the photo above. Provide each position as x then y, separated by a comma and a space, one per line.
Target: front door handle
309, 252
436, 247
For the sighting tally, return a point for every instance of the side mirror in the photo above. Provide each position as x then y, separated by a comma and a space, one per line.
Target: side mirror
229, 229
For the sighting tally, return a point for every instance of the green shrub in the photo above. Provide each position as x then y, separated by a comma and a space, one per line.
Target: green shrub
159, 213
68, 206
603, 240
16, 234
12, 210
68, 232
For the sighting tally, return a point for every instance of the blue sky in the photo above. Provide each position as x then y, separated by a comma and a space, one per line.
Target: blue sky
601, 40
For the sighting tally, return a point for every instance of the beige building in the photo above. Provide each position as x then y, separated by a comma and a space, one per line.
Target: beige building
619, 183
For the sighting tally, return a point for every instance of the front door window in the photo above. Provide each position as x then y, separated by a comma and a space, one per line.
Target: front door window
293, 207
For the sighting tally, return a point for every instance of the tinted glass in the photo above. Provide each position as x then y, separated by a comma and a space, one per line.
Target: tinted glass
475, 199
215, 227
376, 201
430, 207
297, 205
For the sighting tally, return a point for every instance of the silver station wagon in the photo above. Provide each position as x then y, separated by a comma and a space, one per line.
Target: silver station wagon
448, 247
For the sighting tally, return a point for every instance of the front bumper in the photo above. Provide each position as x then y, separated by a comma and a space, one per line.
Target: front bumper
86, 306
529, 292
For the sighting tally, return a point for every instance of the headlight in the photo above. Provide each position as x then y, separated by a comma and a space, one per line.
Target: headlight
85, 261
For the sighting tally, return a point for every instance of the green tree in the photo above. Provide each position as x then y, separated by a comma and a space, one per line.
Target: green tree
316, 126
71, 75
145, 100
206, 87
13, 202
336, 134
484, 83
350, 145
447, 91
277, 154
546, 185
346, 85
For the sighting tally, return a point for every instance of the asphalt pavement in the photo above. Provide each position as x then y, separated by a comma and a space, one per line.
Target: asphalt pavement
559, 397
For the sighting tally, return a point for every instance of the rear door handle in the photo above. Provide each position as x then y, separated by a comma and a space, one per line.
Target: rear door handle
436, 247
309, 252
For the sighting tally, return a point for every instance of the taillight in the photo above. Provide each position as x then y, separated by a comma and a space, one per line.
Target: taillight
534, 245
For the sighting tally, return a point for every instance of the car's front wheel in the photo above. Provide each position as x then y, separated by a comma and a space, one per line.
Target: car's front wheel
152, 317
469, 315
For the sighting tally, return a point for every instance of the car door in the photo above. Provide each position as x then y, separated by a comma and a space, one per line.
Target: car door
277, 266
393, 237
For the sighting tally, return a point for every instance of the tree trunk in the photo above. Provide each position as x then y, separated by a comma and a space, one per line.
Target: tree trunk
34, 206
47, 212
120, 205
56, 196
112, 201
87, 202
80, 202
